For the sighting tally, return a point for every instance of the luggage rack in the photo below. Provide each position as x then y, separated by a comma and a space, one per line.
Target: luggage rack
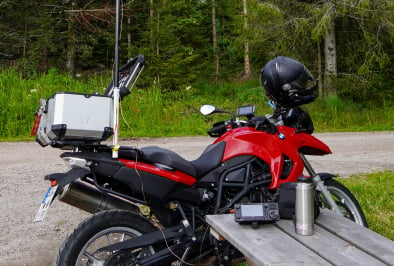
84, 145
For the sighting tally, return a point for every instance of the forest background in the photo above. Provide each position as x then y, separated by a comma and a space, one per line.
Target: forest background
198, 51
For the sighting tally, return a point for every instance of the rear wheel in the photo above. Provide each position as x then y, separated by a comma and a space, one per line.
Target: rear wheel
346, 202
105, 228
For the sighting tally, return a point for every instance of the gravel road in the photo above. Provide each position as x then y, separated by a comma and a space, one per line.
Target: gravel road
24, 164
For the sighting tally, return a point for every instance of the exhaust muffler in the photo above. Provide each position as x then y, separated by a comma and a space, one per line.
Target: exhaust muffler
89, 198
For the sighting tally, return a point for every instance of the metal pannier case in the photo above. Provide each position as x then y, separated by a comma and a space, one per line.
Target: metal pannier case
75, 119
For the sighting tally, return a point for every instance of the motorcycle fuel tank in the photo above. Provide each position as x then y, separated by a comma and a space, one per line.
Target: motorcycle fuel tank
276, 149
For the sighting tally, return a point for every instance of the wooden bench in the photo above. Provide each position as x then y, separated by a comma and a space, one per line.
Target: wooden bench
336, 241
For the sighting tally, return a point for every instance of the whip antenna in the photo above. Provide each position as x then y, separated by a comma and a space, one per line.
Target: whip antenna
116, 85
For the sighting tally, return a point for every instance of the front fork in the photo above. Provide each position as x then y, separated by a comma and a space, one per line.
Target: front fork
319, 185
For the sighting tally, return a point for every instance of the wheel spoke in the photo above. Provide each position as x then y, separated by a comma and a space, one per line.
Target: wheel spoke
92, 259
115, 237
109, 239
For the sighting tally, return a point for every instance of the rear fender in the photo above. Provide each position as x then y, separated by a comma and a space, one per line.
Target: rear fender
62, 179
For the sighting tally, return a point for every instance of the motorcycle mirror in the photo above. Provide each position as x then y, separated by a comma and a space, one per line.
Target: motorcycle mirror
207, 109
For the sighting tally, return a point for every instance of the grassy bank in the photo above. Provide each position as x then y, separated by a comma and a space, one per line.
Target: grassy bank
19, 98
375, 193
152, 111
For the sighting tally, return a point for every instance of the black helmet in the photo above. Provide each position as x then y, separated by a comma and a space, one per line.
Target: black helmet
288, 82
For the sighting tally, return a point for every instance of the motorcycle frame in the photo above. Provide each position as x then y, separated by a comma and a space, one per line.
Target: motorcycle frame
246, 185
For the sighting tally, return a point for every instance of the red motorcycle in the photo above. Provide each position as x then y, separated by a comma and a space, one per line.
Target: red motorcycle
150, 204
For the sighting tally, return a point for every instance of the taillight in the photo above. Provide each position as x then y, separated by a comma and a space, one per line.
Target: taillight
36, 125
53, 183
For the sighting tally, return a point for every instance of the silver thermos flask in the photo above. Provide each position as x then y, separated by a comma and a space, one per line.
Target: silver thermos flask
304, 210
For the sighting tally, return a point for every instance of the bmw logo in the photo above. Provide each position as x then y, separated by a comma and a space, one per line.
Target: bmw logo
281, 136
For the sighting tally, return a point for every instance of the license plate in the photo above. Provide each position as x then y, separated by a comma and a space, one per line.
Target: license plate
45, 203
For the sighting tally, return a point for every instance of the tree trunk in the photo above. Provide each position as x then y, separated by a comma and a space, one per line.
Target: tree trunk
247, 70
319, 70
151, 21
330, 53
129, 39
214, 42
154, 23
157, 30
71, 42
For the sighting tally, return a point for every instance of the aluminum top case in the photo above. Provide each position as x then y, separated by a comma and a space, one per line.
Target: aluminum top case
75, 119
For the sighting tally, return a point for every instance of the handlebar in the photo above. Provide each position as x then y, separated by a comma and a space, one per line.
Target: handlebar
219, 128
295, 117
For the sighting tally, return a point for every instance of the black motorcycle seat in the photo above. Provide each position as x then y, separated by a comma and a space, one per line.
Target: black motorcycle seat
208, 160
168, 159
130, 153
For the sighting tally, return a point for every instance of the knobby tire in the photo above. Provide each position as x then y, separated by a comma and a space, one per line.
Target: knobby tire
72, 247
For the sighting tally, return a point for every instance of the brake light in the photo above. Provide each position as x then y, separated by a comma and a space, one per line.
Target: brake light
36, 125
53, 183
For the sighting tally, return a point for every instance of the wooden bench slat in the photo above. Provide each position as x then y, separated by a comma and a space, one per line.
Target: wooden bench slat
334, 249
336, 241
361, 237
267, 246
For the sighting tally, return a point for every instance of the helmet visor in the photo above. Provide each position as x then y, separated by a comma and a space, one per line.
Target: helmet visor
305, 83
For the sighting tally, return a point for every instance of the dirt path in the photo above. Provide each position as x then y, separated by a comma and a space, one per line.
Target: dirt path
24, 164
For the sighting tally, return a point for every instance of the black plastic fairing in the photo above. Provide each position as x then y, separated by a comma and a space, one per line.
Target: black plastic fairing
213, 176
148, 185
311, 151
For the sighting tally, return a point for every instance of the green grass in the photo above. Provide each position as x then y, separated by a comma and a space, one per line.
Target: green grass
152, 113
375, 193
335, 114
19, 98
149, 112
